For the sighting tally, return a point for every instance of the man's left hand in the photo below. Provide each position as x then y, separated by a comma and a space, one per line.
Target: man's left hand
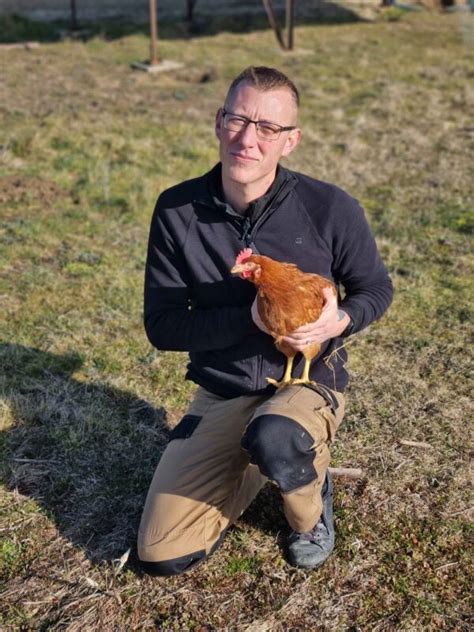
330, 324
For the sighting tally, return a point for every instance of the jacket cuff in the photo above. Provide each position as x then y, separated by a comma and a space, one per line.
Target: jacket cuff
355, 314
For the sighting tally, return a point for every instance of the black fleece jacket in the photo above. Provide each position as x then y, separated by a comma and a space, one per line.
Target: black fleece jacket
194, 304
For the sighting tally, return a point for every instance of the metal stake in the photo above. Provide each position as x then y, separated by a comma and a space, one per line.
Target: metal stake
190, 11
274, 22
73, 16
155, 65
290, 18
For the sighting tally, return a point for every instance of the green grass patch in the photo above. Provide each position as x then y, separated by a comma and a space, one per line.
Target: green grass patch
236, 565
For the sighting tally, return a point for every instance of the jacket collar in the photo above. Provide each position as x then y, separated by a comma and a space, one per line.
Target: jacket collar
281, 186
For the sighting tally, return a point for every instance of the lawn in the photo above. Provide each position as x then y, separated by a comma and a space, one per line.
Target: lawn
86, 403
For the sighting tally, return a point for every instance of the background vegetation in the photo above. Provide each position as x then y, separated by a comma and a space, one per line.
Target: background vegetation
86, 403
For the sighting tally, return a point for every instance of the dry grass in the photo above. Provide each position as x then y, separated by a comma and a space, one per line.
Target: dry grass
86, 404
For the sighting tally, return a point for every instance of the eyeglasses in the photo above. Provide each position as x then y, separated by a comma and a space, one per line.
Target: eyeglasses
265, 129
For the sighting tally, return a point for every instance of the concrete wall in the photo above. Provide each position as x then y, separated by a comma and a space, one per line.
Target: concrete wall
136, 9
86, 9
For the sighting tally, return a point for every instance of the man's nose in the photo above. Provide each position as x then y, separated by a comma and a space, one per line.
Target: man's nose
248, 136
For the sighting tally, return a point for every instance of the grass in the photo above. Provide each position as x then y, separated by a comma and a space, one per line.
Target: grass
86, 404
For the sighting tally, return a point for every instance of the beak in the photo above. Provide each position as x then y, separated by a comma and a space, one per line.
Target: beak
237, 269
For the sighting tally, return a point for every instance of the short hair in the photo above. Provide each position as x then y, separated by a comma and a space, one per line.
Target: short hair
265, 78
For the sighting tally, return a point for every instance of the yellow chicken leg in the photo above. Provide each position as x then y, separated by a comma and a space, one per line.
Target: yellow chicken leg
304, 379
309, 355
287, 377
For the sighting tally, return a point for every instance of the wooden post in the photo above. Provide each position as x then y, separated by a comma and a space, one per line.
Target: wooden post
153, 34
290, 18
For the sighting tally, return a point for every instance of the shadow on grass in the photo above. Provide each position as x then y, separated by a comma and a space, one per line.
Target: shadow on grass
85, 452
15, 28
266, 512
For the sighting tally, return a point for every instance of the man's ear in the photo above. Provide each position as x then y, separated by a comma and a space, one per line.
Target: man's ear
293, 139
218, 123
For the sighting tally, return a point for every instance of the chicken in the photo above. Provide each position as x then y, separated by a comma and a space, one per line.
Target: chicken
286, 299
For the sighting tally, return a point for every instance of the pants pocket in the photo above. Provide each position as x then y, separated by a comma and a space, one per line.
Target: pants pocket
329, 421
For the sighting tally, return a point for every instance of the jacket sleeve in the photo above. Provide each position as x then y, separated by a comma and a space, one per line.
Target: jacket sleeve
357, 265
172, 320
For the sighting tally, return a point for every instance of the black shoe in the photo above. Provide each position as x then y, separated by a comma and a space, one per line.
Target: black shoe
311, 549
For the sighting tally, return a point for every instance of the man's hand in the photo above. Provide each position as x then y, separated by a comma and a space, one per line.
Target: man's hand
330, 324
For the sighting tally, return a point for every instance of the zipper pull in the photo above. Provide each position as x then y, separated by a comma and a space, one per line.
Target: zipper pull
245, 232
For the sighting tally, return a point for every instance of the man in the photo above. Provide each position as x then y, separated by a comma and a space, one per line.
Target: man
240, 432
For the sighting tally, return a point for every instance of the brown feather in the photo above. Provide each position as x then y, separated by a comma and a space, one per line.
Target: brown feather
288, 298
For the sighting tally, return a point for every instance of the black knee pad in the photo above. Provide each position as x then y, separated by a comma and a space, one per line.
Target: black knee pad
282, 449
176, 566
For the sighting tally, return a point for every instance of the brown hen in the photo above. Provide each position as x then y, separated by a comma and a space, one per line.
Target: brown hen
286, 299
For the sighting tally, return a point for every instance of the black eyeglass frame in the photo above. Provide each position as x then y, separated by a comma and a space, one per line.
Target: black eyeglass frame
281, 128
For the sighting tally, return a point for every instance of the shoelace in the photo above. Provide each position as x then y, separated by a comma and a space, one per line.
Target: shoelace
316, 533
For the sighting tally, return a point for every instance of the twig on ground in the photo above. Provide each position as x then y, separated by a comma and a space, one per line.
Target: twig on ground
81, 600
459, 512
348, 472
401, 464
415, 444
439, 568
350, 594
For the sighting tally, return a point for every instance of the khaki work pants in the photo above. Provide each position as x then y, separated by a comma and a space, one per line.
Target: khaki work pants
206, 479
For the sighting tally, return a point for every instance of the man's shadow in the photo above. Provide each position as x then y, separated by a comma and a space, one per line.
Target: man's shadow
85, 452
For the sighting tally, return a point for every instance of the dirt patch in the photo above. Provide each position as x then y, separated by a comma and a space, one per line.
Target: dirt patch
31, 189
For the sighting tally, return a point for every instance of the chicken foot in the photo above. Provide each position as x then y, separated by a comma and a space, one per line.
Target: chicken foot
304, 379
287, 377
309, 356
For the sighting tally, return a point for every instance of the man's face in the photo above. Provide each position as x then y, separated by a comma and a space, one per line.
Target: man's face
246, 158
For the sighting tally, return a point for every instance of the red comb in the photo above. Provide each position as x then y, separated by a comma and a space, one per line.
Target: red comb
243, 255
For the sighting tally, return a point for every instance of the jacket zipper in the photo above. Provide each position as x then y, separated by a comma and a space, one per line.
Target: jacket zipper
249, 231
246, 232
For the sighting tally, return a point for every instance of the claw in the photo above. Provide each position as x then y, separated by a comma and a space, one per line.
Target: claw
278, 384
302, 381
